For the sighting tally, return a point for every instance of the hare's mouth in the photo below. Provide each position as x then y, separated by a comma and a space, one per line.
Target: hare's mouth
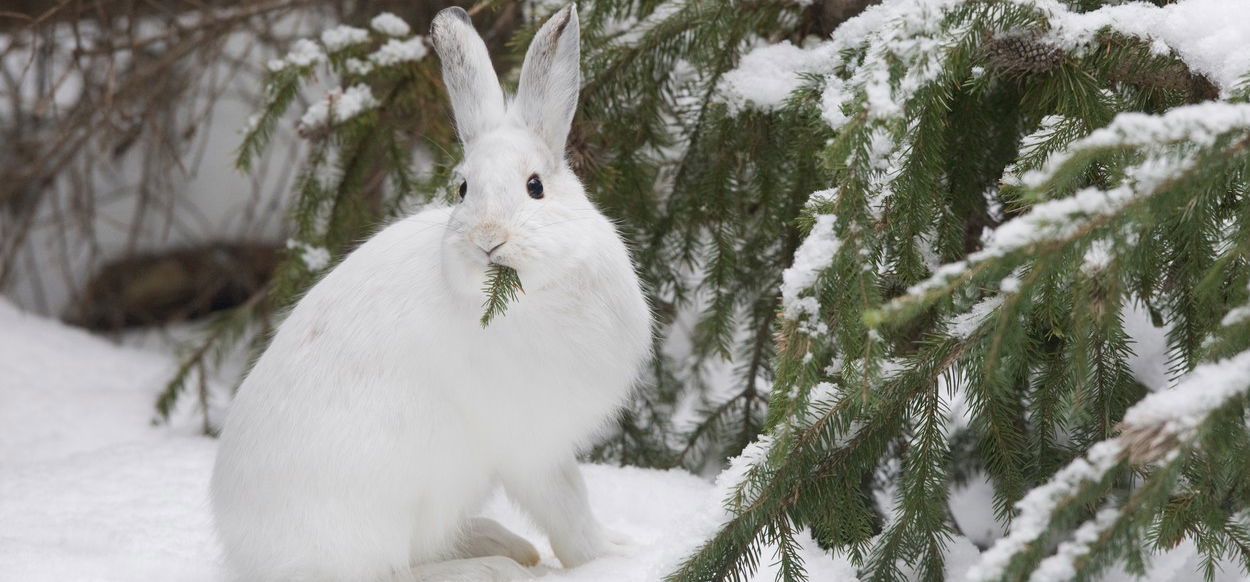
503, 262
500, 254
492, 255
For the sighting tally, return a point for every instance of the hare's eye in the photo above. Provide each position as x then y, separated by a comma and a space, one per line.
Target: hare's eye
464, 189
534, 186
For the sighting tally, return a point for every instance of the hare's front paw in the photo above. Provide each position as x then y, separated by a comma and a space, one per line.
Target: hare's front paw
486, 537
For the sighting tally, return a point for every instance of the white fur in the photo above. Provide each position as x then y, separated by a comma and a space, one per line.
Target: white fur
551, 77
383, 414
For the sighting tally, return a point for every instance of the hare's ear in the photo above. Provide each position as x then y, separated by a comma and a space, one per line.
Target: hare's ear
550, 79
476, 97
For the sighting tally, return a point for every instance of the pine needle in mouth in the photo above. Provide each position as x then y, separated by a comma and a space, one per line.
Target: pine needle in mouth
501, 288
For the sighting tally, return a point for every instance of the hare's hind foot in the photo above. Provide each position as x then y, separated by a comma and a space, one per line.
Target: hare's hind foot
484, 569
486, 537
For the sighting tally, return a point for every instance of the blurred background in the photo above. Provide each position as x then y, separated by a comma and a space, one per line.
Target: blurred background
120, 203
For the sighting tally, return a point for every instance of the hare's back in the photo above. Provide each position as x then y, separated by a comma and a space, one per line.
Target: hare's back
345, 349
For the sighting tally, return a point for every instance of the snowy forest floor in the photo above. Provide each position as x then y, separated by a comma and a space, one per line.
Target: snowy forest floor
91, 490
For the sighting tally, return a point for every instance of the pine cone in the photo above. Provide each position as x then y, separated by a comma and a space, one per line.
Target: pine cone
1022, 53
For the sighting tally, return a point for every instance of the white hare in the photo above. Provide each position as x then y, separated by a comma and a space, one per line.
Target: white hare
383, 414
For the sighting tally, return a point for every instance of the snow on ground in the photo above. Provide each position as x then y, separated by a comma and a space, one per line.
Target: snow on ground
88, 489
91, 491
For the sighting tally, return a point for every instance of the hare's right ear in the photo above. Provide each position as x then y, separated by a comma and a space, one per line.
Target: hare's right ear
476, 97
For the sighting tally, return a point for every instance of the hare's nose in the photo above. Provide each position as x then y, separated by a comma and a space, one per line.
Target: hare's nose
488, 238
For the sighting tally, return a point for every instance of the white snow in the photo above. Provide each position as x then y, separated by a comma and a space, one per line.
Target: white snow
253, 121
963, 325
1097, 257
389, 24
766, 76
732, 477
1054, 219
90, 491
1236, 315
1059, 218
314, 257
961, 554
358, 67
1200, 123
1182, 409
906, 34
1178, 411
397, 51
1036, 506
1211, 36
303, 53
1045, 132
814, 254
343, 36
1149, 361
338, 106
1062, 565
628, 30
972, 511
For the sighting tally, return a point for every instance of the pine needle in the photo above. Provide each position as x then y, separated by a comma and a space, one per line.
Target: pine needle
502, 285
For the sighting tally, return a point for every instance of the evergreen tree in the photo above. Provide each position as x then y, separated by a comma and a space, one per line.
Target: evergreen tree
944, 201
1119, 181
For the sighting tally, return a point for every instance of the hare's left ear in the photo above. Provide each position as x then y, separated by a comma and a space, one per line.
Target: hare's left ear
551, 78
476, 97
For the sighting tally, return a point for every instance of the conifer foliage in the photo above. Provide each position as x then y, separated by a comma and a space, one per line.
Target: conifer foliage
942, 205
1006, 178
501, 288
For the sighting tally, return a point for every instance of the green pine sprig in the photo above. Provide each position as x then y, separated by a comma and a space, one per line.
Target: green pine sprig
502, 285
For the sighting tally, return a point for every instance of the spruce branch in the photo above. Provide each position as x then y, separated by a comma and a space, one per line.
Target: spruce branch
502, 285
229, 325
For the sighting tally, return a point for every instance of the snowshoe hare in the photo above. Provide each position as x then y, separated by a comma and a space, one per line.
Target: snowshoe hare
383, 414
